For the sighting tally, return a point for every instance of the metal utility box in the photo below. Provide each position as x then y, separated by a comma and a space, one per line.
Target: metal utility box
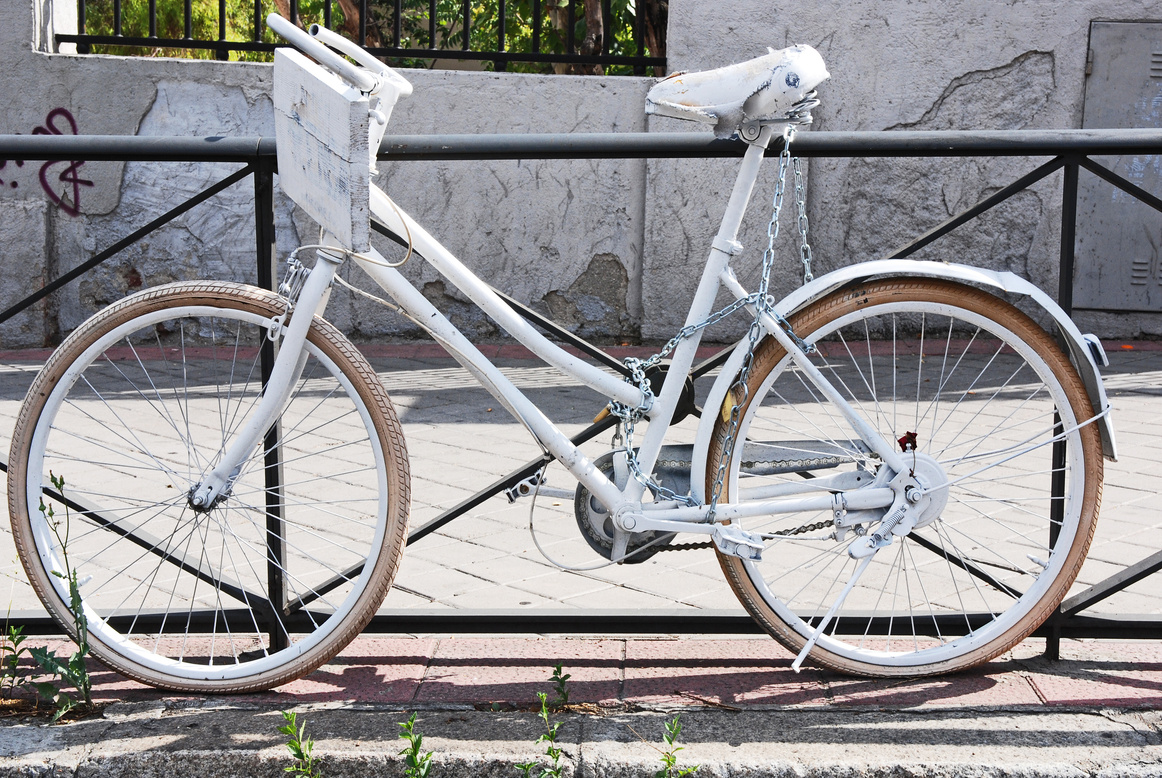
1118, 267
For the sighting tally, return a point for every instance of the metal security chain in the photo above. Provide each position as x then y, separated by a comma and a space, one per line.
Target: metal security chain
740, 391
763, 304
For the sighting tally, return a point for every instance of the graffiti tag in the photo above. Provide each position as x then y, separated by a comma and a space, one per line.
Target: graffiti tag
50, 180
70, 176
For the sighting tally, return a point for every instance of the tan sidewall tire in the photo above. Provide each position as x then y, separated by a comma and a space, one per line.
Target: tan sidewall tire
368, 387
843, 302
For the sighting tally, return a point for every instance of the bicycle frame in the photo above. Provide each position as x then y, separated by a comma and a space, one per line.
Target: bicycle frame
662, 516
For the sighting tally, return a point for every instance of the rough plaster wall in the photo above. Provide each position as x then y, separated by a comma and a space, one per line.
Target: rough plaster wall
901, 64
563, 236
24, 236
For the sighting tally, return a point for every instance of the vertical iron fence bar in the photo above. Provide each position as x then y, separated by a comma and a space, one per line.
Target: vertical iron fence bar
432, 24
466, 11
222, 53
536, 26
571, 21
327, 14
267, 260
294, 12
638, 48
86, 48
606, 26
396, 24
257, 36
153, 18
500, 64
189, 14
1065, 300
116, 16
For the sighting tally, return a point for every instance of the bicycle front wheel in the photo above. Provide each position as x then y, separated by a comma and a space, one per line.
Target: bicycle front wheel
995, 410
132, 411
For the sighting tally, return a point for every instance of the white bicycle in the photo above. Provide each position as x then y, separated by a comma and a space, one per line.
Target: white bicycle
899, 470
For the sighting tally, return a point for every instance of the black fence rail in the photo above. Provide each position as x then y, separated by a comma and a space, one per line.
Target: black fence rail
610, 34
1070, 151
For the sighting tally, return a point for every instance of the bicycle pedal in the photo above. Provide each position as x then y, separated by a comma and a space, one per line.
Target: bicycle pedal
736, 542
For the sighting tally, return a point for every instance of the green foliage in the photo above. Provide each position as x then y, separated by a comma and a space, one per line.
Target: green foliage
11, 650
417, 764
71, 670
206, 24
560, 687
520, 24
670, 753
301, 748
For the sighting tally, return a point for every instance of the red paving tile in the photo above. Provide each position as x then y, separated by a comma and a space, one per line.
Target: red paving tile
746, 672
991, 686
740, 672
1101, 674
514, 670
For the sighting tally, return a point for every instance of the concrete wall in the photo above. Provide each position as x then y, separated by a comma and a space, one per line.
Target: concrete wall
607, 247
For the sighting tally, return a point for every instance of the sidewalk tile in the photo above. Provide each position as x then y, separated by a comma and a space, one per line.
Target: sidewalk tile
728, 672
512, 670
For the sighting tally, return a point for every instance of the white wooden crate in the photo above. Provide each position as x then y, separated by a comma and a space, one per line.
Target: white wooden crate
324, 155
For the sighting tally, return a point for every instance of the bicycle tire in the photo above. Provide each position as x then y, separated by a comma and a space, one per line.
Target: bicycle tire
132, 410
978, 382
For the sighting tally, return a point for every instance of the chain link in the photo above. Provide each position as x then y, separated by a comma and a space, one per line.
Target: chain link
804, 246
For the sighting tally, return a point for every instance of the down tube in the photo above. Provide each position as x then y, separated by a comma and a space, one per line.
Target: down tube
429, 317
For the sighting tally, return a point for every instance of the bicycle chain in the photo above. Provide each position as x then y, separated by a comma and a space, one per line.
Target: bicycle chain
800, 530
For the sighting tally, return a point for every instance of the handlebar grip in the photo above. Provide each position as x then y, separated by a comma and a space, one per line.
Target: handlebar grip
357, 77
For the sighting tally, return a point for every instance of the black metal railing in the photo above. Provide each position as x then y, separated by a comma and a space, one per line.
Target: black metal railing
625, 38
1070, 152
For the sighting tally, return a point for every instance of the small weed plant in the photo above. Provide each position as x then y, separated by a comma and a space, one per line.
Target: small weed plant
549, 740
560, 680
71, 670
12, 648
301, 747
669, 757
417, 764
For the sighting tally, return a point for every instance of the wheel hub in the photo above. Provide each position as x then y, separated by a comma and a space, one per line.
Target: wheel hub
932, 499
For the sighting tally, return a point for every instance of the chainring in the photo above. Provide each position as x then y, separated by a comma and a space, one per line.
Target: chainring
596, 523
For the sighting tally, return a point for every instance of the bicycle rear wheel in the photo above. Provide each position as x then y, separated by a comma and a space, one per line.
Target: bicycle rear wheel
979, 383
133, 410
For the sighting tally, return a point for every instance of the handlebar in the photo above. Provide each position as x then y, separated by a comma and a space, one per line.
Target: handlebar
366, 78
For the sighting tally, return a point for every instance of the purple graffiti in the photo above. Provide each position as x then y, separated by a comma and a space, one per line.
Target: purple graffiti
70, 176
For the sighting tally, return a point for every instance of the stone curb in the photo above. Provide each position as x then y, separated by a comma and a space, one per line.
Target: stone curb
217, 739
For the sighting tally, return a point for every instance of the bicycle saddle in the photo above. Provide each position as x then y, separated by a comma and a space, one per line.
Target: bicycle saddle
764, 89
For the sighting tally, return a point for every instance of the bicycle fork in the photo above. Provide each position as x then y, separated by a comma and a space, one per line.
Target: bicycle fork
288, 366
